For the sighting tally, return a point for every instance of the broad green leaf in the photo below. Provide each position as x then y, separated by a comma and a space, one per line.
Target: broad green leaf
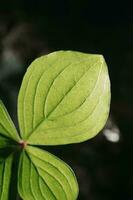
5, 177
64, 98
7, 127
43, 176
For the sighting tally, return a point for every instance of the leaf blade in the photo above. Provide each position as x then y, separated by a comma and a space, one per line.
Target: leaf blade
63, 94
4, 142
7, 127
45, 183
5, 176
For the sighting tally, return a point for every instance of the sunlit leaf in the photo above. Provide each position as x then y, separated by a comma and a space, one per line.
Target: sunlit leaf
5, 177
7, 127
43, 176
64, 98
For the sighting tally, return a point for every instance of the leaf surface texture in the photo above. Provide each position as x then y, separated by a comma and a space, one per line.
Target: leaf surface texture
43, 176
7, 127
5, 177
64, 98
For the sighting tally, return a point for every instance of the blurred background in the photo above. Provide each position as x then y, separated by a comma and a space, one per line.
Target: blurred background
28, 29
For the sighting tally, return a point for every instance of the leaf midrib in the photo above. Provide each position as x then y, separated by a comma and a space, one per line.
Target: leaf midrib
44, 119
53, 167
40, 175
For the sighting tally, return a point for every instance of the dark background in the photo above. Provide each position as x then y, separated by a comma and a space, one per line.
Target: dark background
28, 29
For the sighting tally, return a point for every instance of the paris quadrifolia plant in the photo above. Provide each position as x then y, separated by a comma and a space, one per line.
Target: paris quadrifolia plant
64, 98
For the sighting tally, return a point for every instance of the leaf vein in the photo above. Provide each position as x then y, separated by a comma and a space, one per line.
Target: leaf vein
45, 102
86, 98
60, 100
55, 168
55, 179
31, 182
2, 180
23, 102
86, 118
5, 130
41, 177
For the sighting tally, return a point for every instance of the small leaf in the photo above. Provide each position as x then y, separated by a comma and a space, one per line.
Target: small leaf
7, 127
64, 98
5, 177
43, 176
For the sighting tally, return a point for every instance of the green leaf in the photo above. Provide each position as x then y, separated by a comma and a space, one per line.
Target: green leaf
64, 98
5, 177
4, 142
43, 176
7, 127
